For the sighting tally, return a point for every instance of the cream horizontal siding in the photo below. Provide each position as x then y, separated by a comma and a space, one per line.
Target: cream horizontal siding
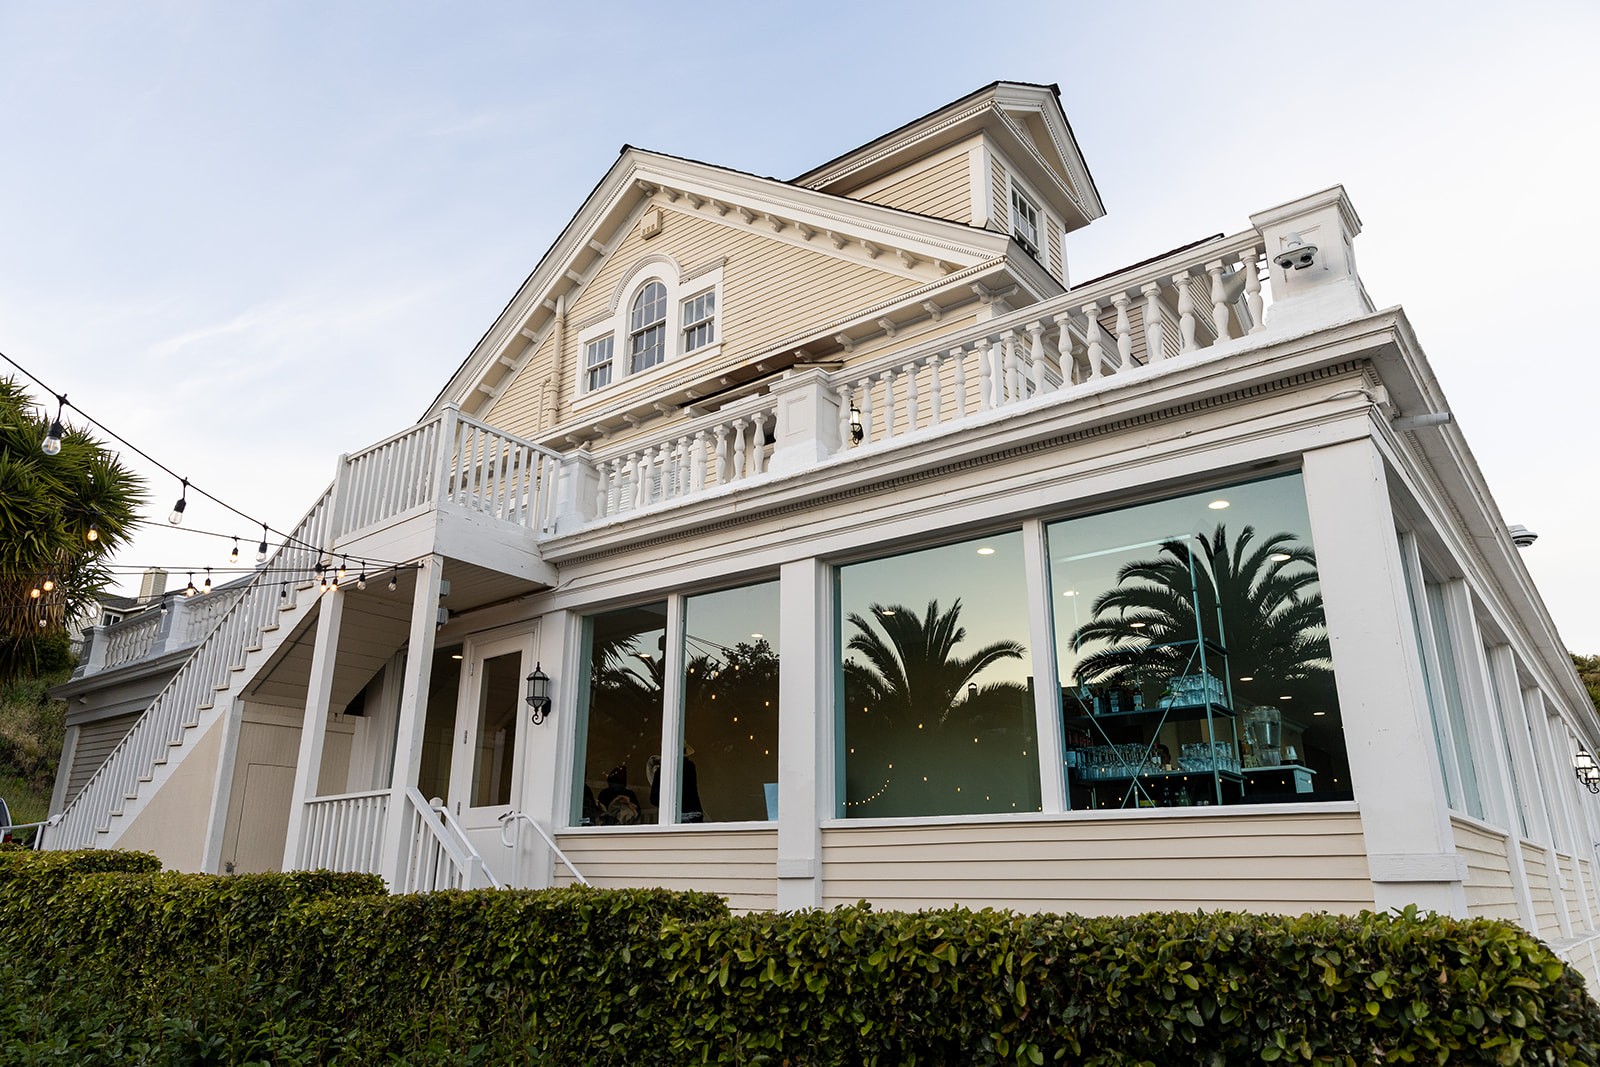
1289, 863
1594, 898
520, 407
942, 189
1001, 212
1488, 887
96, 741
740, 865
1546, 921
770, 290
1573, 892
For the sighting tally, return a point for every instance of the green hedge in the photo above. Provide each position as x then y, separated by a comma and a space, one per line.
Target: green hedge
127, 965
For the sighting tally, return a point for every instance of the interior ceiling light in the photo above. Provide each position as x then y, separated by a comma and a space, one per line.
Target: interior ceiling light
1217, 505
986, 551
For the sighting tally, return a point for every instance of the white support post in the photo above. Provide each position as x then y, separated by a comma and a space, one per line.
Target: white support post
578, 490
1394, 767
809, 416
806, 731
314, 731
1046, 683
1327, 290
413, 711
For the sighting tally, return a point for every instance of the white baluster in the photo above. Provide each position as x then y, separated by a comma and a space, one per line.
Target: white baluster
936, 387
1187, 327
738, 448
1154, 326
986, 359
1252, 289
866, 410
618, 485
759, 441
891, 403
721, 434
959, 354
685, 465
641, 478
1012, 382
1091, 333
1219, 301
912, 412
1124, 331
1064, 347
1036, 353
697, 462
844, 415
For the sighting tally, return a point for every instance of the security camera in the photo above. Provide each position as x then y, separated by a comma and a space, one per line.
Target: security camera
1521, 536
1296, 254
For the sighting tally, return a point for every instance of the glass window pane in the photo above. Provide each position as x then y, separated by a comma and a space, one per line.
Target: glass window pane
439, 723
1455, 704
1193, 653
494, 759
936, 680
621, 726
730, 715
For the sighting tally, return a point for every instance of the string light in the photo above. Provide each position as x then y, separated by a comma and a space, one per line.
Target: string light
49, 585
51, 445
183, 502
92, 534
233, 557
190, 590
207, 589
283, 591
394, 579
261, 549
361, 579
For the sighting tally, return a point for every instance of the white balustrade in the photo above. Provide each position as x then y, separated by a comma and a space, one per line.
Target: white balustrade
344, 833
130, 640
438, 854
727, 447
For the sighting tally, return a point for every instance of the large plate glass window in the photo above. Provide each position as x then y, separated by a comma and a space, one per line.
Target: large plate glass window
1193, 653
621, 724
730, 706
936, 679
647, 328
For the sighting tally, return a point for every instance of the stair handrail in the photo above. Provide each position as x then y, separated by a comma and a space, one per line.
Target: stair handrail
511, 817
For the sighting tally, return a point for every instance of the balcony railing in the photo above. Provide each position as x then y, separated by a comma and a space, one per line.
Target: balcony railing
344, 833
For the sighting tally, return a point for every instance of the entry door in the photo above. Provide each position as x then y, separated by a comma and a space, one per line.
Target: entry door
491, 733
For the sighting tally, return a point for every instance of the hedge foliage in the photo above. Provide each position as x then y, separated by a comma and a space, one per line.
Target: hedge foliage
104, 960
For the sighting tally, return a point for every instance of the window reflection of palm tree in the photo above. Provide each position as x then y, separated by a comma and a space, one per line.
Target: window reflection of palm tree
911, 693
1263, 595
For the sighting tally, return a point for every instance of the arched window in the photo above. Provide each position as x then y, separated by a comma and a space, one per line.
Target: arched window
647, 328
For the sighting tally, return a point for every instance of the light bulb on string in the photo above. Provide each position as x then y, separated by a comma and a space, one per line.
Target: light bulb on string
35, 593
261, 549
49, 585
341, 571
283, 591
183, 502
394, 579
51, 445
207, 589
361, 579
233, 557
92, 534
189, 590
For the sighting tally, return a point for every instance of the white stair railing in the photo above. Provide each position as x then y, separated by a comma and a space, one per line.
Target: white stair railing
508, 838
438, 854
194, 689
345, 832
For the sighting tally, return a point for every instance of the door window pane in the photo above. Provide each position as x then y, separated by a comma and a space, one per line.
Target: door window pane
494, 758
439, 725
730, 714
1193, 653
936, 681
626, 650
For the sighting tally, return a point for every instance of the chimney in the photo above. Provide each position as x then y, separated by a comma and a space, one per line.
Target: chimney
152, 585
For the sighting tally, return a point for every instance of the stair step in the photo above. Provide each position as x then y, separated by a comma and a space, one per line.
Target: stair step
205, 707
268, 628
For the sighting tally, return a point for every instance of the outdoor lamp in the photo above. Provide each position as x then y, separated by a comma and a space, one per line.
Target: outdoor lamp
1587, 771
538, 697
51, 445
857, 431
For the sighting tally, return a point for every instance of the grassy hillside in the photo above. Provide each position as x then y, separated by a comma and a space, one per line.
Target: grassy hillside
32, 728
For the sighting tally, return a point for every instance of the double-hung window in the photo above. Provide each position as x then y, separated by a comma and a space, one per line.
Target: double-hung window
597, 362
1024, 221
647, 328
699, 320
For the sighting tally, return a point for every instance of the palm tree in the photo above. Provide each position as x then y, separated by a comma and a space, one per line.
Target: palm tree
1261, 595
912, 667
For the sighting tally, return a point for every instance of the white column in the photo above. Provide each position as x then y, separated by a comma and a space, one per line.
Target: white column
1051, 741
809, 415
1394, 769
413, 710
1329, 289
319, 690
807, 759
577, 491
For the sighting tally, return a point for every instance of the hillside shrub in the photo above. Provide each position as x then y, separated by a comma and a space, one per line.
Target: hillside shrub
131, 965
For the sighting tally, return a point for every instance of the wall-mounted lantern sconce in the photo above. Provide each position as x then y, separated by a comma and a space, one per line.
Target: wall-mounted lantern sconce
857, 431
1588, 772
538, 697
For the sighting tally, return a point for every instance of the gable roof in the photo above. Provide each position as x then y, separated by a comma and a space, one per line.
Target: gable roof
918, 246
1023, 118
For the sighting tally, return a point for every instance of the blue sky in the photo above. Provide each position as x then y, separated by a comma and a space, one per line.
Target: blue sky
252, 236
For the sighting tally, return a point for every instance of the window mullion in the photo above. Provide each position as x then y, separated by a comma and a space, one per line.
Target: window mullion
1046, 682
672, 714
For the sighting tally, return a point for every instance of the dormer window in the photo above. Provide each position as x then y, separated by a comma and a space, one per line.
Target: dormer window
647, 328
657, 313
1024, 221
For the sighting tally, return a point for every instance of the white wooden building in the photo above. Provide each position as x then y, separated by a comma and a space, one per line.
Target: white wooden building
1174, 588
